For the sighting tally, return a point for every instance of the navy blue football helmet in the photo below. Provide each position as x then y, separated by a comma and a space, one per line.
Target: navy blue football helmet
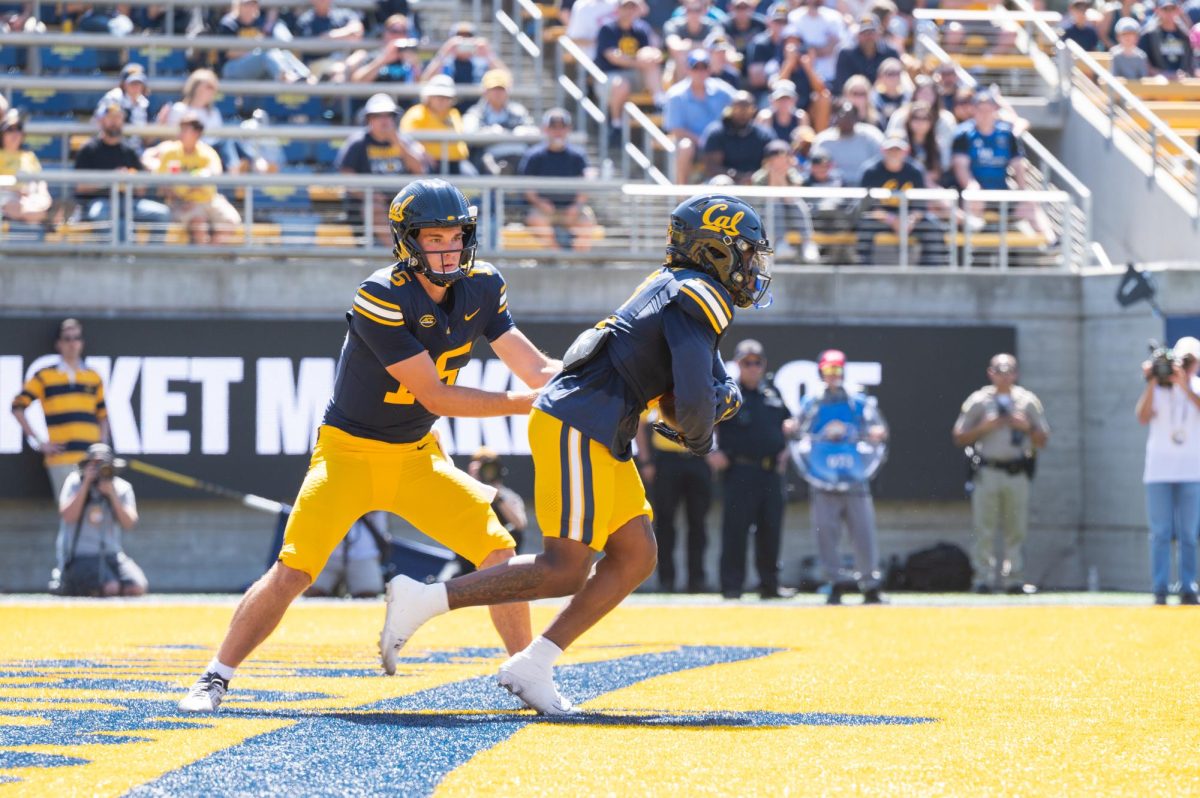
723, 236
432, 203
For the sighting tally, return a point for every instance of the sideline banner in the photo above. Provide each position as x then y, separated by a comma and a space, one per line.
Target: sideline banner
237, 401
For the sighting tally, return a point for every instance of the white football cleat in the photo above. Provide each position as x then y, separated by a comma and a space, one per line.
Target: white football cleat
206, 694
534, 684
405, 614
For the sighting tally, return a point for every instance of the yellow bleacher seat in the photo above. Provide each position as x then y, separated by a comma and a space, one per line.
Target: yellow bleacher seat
552, 34
1177, 91
335, 235
177, 234
326, 193
1176, 114
995, 62
264, 233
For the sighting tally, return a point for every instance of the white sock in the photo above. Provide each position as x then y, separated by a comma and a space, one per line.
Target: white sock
543, 651
437, 600
221, 669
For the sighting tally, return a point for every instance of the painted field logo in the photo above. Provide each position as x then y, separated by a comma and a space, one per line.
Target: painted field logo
67, 727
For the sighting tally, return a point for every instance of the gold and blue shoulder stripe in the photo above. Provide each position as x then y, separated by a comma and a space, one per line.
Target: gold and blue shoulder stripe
715, 308
378, 310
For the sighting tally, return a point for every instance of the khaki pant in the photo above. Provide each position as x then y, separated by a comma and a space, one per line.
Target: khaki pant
58, 476
1000, 500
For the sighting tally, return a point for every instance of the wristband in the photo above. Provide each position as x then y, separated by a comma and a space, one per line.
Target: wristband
34, 443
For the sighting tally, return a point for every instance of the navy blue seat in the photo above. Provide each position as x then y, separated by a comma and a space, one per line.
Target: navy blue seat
287, 106
166, 61
326, 151
75, 60
84, 101
297, 150
42, 102
49, 150
13, 58
274, 200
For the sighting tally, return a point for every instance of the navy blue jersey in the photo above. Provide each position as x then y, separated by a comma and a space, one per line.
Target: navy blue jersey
664, 338
392, 319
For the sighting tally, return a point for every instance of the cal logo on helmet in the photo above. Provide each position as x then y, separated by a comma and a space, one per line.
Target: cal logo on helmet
396, 211
427, 320
721, 224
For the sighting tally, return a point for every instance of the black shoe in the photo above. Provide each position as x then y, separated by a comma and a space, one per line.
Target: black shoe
698, 587
1189, 598
1021, 590
834, 599
777, 593
982, 589
1160, 599
731, 594
873, 596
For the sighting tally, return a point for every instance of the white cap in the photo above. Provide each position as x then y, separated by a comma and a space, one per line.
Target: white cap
1187, 345
439, 86
380, 104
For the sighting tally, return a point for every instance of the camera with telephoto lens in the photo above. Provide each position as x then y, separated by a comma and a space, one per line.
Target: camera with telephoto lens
108, 465
1163, 362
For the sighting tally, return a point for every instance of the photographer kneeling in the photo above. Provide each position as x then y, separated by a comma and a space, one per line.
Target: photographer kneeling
94, 507
1170, 407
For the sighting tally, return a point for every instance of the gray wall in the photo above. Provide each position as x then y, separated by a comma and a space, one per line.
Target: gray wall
1152, 220
1079, 351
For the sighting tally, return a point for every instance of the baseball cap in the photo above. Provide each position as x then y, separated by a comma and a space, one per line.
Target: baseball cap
1166, 3
820, 156
1127, 24
133, 72
1083, 3
747, 348
778, 11
776, 147
831, 358
1187, 345
742, 98
986, 96
868, 22
697, 56
629, 2
109, 106
784, 88
192, 118
561, 115
12, 119
380, 104
439, 86
746, 3
497, 78
104, 453
894, 143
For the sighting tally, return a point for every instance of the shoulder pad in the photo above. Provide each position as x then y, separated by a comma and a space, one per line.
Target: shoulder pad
375, 299
482, 268
704, 301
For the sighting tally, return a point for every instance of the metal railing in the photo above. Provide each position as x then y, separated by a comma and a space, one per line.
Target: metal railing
838, 227
1127, 113
653, 154
1048, 169
524, 46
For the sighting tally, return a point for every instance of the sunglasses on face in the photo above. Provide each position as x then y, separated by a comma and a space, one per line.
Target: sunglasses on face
752, 363
69, 338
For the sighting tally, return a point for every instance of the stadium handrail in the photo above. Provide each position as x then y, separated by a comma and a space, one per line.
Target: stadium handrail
577, 89
489, 192
302, 132
1119, 100
650, 132
1047, 159
984, 15
530, 46
107, 41
1002, 199
11, 82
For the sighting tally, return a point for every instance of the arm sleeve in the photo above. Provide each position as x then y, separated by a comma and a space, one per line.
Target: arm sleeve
380, 323
502, 321
961, 144
692, 345
31, 391
101, 408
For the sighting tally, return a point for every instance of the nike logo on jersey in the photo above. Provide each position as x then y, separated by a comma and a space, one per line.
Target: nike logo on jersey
471, 315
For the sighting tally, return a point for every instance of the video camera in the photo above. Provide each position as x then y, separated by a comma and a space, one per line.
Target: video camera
109, 465
1163, 361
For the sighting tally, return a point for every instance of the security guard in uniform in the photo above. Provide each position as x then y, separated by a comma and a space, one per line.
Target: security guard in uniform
752, 451
676, 478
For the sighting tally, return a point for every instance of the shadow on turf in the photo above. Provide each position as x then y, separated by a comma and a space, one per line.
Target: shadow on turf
750, 720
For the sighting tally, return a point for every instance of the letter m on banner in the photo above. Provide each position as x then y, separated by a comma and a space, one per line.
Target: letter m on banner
289, 405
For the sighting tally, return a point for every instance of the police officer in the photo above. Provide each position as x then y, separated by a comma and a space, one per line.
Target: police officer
676, 478
832, 417
1004, 425
751, 456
